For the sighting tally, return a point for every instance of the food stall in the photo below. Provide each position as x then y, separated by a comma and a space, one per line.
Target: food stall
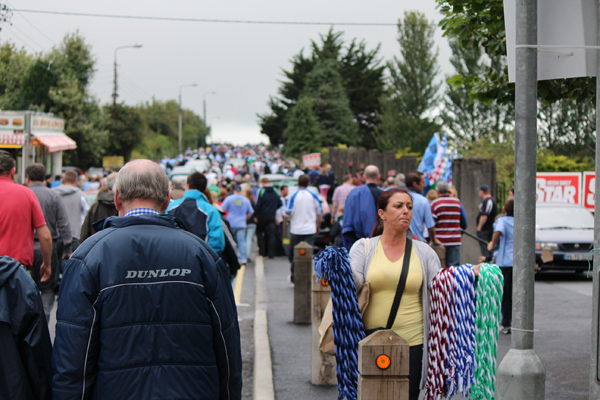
39, 137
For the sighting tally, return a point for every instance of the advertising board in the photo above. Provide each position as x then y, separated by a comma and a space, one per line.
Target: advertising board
558, 187
588, 192
311, 160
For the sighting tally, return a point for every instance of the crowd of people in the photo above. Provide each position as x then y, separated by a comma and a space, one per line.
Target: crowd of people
149, 264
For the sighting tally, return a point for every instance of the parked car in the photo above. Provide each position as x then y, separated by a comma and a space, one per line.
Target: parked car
181, 172
564, 236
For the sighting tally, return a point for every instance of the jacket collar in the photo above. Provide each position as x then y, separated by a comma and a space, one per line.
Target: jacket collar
194, 194
167, 220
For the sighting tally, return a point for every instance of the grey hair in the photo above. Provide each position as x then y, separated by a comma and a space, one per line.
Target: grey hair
110, 180
400, 178
142, 180
443, 187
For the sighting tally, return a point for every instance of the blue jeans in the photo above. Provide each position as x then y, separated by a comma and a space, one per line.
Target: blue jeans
452, 256
250, 231
240, 238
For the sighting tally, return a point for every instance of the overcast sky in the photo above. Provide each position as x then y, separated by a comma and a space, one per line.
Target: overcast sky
240, 62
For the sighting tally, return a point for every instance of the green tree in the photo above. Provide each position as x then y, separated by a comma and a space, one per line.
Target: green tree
482, 23
413, 90
125, 131
330, 104
12, 64
413, 77
362, 78
303, 131
161, 134
469, 119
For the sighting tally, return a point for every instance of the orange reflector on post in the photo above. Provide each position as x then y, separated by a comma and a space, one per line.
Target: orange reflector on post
383, 361
324, 282
302, 252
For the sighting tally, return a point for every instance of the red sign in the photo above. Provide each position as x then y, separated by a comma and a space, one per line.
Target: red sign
589, 190
558, 187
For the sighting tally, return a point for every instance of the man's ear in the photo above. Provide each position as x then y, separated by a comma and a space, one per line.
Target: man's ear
118, 202
167, 202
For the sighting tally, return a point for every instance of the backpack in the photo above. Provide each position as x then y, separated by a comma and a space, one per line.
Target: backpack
194, 220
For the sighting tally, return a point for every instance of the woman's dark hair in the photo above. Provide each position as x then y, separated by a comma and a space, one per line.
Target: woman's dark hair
509, 207
382, 204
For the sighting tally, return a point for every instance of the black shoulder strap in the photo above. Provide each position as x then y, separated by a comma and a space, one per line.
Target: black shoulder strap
401, 284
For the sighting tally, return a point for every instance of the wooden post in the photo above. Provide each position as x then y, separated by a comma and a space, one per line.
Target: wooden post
303, 267
383, 367
322, 365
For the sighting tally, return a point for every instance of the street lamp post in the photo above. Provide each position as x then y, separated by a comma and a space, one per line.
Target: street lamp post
204, 108
114, 95
180, 121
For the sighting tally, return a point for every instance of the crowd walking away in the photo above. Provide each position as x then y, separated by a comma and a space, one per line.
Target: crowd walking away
140, 269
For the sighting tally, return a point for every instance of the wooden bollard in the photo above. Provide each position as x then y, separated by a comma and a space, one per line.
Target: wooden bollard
303, 267
322, 365
383, 367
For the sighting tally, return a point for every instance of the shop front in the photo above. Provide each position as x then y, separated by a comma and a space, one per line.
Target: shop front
35, 137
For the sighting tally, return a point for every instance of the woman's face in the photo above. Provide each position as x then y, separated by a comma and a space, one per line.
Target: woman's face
398, 213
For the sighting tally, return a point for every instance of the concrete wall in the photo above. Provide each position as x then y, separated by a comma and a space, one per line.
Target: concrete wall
353, 159
468, 174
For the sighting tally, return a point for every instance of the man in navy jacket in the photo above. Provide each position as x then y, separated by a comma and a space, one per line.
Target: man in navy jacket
146, 309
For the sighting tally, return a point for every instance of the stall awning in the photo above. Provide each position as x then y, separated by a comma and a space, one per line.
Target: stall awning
12, 139
56, 142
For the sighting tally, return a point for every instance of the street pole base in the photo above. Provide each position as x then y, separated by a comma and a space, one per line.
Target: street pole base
521, 375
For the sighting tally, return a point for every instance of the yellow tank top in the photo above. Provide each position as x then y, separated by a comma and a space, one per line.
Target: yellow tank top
383, 276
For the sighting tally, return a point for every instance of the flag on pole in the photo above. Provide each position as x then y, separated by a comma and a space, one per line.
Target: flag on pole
427, 164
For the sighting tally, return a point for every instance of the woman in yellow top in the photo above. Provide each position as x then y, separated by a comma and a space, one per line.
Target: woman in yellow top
379, 260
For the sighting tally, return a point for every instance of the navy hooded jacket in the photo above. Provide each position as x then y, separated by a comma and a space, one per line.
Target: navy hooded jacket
25, 347
146, 311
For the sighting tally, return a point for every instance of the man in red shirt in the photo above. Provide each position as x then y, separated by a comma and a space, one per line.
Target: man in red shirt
20, 214
446, 212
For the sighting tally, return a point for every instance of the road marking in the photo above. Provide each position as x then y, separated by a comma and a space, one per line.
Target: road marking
263, 369
239, 281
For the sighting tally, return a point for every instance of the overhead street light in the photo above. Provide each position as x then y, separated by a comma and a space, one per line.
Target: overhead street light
114, 95
179, 121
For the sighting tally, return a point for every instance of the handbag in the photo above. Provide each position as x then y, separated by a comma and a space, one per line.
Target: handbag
399, 290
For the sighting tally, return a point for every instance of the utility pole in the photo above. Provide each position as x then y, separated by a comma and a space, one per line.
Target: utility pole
114, 95
521, 374
594, 385
179, 121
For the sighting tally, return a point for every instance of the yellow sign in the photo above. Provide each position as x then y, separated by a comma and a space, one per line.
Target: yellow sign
113, 162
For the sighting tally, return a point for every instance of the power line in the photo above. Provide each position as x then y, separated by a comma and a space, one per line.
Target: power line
34, 27
24, 42
227, 21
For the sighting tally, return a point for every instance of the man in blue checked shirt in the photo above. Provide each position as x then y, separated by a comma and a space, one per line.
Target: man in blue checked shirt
146, 308
306, 214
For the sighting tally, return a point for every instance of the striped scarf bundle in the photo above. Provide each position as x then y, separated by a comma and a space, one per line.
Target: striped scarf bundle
332, 264
462, 343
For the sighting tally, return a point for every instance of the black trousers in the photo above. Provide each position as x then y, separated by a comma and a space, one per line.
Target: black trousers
507, 272
265, 233
415, 365
487, 236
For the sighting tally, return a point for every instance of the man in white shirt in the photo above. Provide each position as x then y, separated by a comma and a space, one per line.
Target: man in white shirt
306, 214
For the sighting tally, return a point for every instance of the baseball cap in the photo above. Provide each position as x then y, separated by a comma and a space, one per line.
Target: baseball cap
484, 188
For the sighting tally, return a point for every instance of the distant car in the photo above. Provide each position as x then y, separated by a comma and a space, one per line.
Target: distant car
181, 172
278, 180
564, 236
